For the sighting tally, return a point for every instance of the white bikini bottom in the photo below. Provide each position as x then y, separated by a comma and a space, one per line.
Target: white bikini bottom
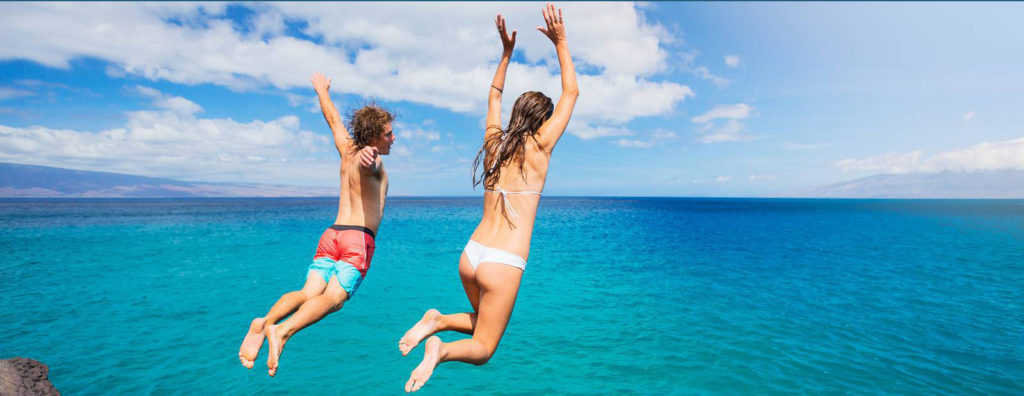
478, 253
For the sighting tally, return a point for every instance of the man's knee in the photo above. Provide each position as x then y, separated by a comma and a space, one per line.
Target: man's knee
308, 293
337, 298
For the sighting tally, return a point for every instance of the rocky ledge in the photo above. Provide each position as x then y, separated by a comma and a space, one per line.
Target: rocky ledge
21, 376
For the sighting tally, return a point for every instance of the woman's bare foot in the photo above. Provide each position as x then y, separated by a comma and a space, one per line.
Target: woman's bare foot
419, 331
252, 343
431, 357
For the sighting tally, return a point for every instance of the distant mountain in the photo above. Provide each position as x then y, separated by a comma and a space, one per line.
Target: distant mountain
30, 181
986, 184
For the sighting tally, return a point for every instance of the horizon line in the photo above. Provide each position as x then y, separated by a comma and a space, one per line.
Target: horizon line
10, 199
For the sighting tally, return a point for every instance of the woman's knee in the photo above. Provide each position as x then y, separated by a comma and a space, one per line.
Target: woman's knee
485, 352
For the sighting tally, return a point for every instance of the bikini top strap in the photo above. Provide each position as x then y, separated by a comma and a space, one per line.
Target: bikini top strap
504, 197
508, 205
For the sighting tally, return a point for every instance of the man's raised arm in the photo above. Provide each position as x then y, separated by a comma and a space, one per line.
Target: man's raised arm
322, 86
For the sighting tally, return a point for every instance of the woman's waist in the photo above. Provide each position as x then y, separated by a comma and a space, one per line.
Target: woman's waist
515, 241
511, 206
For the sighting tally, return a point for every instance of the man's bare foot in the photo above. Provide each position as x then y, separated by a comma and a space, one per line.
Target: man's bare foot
431, 356
419, 331
275, 343
252, 343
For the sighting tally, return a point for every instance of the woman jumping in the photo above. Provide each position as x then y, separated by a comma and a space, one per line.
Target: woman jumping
514, 164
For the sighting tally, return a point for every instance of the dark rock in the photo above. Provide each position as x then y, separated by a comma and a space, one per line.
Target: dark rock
22, 377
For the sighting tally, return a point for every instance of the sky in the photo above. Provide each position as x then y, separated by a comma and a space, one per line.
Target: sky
676, 99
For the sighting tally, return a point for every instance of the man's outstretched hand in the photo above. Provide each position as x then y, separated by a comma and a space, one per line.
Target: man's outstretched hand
368, 157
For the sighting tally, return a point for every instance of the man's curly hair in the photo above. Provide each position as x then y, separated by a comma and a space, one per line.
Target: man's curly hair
367, 123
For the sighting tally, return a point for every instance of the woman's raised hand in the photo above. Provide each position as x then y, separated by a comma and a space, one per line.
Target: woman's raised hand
555, 29
508, 42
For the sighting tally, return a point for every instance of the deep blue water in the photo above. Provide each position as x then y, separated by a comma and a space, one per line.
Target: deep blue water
621, 296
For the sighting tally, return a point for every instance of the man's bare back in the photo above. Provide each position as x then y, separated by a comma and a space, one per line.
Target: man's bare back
363, 190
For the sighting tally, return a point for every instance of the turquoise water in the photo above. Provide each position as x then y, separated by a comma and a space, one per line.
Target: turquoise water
621, 296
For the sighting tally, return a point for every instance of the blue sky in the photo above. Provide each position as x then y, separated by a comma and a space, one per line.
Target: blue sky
677, 99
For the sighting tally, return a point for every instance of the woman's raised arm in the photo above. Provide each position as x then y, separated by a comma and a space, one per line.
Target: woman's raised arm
553, 128
508, 42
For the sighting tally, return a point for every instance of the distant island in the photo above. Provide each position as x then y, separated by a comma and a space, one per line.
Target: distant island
31, 181
981, 184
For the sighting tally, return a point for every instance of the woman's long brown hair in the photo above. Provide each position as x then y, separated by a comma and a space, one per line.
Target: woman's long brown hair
528, 114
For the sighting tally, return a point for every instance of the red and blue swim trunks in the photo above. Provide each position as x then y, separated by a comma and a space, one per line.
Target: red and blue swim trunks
344, 252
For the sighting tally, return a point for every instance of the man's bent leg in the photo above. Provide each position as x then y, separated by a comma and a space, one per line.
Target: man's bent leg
315, 285
288, 303
310, 312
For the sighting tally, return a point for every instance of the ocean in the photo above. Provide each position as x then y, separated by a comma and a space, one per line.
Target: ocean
620, 296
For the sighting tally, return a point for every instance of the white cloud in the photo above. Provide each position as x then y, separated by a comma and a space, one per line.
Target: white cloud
632, 143
36, 88
737, 111
10, 93
1007, 154
176, 144
663, 134
654, 138
732, 60
969, 116
175, 104
705, 74
732, 130
386, 50
688, 63
588, 132
412, 153
415, 132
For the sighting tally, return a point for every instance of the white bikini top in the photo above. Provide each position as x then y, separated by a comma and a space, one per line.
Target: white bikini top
504, 193
504, 196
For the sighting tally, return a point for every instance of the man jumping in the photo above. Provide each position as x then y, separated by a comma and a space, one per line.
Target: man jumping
346, 248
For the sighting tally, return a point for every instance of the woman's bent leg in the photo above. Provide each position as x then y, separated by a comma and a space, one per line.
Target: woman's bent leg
499, 286
434, 322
